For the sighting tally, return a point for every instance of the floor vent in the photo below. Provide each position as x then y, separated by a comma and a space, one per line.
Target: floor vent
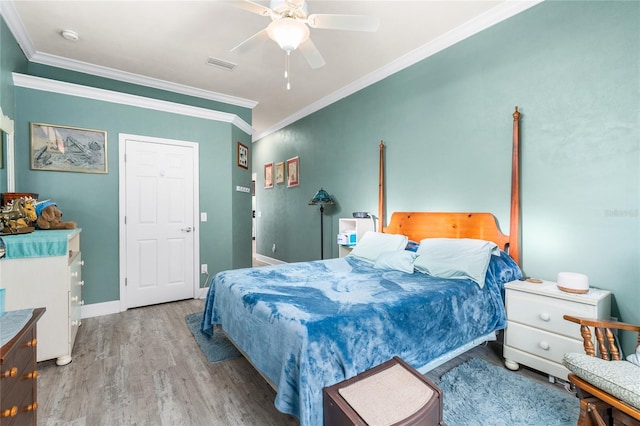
221, 64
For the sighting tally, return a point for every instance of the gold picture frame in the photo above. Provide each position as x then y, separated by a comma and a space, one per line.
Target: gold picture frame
68, 149
243, 156
293, 171
280, 172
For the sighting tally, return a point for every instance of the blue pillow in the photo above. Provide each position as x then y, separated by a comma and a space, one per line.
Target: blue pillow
461, 258
503, 269
412, 246
400, 260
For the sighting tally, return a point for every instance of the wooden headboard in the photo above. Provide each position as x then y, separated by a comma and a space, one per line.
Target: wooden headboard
420, 225
483, 226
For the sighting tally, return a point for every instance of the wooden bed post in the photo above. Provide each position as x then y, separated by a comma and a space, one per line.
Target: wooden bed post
381, 219
514, 231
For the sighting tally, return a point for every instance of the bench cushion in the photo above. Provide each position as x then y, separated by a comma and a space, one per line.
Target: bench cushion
618, 378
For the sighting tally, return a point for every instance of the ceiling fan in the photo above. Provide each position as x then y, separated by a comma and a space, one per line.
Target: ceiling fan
289, 27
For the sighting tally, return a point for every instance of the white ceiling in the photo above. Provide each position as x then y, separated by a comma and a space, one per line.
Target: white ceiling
166, 44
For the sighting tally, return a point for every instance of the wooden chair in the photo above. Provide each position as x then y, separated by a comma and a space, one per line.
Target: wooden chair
608, 391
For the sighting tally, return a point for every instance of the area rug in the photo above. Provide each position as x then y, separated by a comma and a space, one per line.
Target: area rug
217, 348
479, 393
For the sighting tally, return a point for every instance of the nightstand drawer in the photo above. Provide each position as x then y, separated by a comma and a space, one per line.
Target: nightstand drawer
537, 342
545, 312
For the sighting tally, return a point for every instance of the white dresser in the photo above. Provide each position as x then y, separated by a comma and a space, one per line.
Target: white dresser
537, 335
54, 282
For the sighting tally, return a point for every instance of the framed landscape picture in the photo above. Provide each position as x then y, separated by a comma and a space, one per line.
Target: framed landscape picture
68, 149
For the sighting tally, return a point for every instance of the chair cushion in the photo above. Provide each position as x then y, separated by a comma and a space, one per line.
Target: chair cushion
618, 378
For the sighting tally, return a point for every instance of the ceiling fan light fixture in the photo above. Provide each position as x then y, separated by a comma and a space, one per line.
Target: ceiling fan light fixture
289, 33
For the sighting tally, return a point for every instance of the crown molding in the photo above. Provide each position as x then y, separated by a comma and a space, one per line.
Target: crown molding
127, 77
497, 14
17, 28
47, 85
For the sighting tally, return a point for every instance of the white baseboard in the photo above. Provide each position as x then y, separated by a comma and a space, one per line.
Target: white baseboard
100, 309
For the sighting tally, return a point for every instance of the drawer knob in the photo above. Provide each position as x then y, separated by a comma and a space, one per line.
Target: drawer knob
74, 299
32, 343
82, 263
545, 316
9, 412
9, 373
75, 322
544, 345
32, 375
81, 282
31, 407
74, 274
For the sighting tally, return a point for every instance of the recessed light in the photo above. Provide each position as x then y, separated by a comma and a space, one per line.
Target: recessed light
70, 35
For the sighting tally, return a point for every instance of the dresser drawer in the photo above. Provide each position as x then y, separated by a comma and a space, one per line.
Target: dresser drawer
18, 362
540, 343
546, 312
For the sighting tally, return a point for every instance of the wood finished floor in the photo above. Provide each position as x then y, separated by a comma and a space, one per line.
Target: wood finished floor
143, 367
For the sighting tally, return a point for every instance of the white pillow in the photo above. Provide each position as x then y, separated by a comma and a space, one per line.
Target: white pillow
373, 243
401, 260
462, 258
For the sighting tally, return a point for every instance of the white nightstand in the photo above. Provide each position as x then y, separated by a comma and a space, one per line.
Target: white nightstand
536, 334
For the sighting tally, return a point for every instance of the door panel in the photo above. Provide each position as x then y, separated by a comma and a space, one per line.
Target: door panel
159, 209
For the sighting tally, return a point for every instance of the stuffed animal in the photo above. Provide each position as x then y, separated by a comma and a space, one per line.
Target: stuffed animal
17, 216
49, 217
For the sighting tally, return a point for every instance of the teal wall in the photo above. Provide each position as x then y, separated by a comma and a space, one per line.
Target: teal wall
572, 67
11, 58
92, 199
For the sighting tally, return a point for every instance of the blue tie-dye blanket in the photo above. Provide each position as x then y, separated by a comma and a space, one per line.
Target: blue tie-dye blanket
313, 324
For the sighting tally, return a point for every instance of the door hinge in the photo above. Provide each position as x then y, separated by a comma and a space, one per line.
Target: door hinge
125, 282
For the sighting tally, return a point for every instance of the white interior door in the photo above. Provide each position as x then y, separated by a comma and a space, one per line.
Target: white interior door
159, 222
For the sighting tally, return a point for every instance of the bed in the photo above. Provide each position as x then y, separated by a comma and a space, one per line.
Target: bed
308, 325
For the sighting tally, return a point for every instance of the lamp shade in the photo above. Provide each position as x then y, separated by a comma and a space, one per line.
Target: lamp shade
289, 33
322, 197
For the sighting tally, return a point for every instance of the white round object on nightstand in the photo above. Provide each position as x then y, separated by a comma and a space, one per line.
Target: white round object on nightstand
573, 282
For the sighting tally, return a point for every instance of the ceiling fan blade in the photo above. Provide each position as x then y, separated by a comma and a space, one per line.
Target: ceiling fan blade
252, 7
251, 42
311, 54
344, 22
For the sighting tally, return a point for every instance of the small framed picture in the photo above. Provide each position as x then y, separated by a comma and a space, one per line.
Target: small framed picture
293, 171
268, 175
243, 156
280, 172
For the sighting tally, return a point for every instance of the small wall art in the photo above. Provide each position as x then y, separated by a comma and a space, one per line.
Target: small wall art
68, 149
243, 156
280, 172
268, 175
293, 171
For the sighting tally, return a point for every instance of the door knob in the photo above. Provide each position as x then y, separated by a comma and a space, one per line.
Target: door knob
188, 229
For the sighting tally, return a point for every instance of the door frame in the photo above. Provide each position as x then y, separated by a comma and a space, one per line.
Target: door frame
122, 138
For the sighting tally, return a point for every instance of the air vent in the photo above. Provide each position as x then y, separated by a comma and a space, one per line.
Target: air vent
221, 64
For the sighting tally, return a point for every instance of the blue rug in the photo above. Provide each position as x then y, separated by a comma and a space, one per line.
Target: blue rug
479, 393
217, 348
